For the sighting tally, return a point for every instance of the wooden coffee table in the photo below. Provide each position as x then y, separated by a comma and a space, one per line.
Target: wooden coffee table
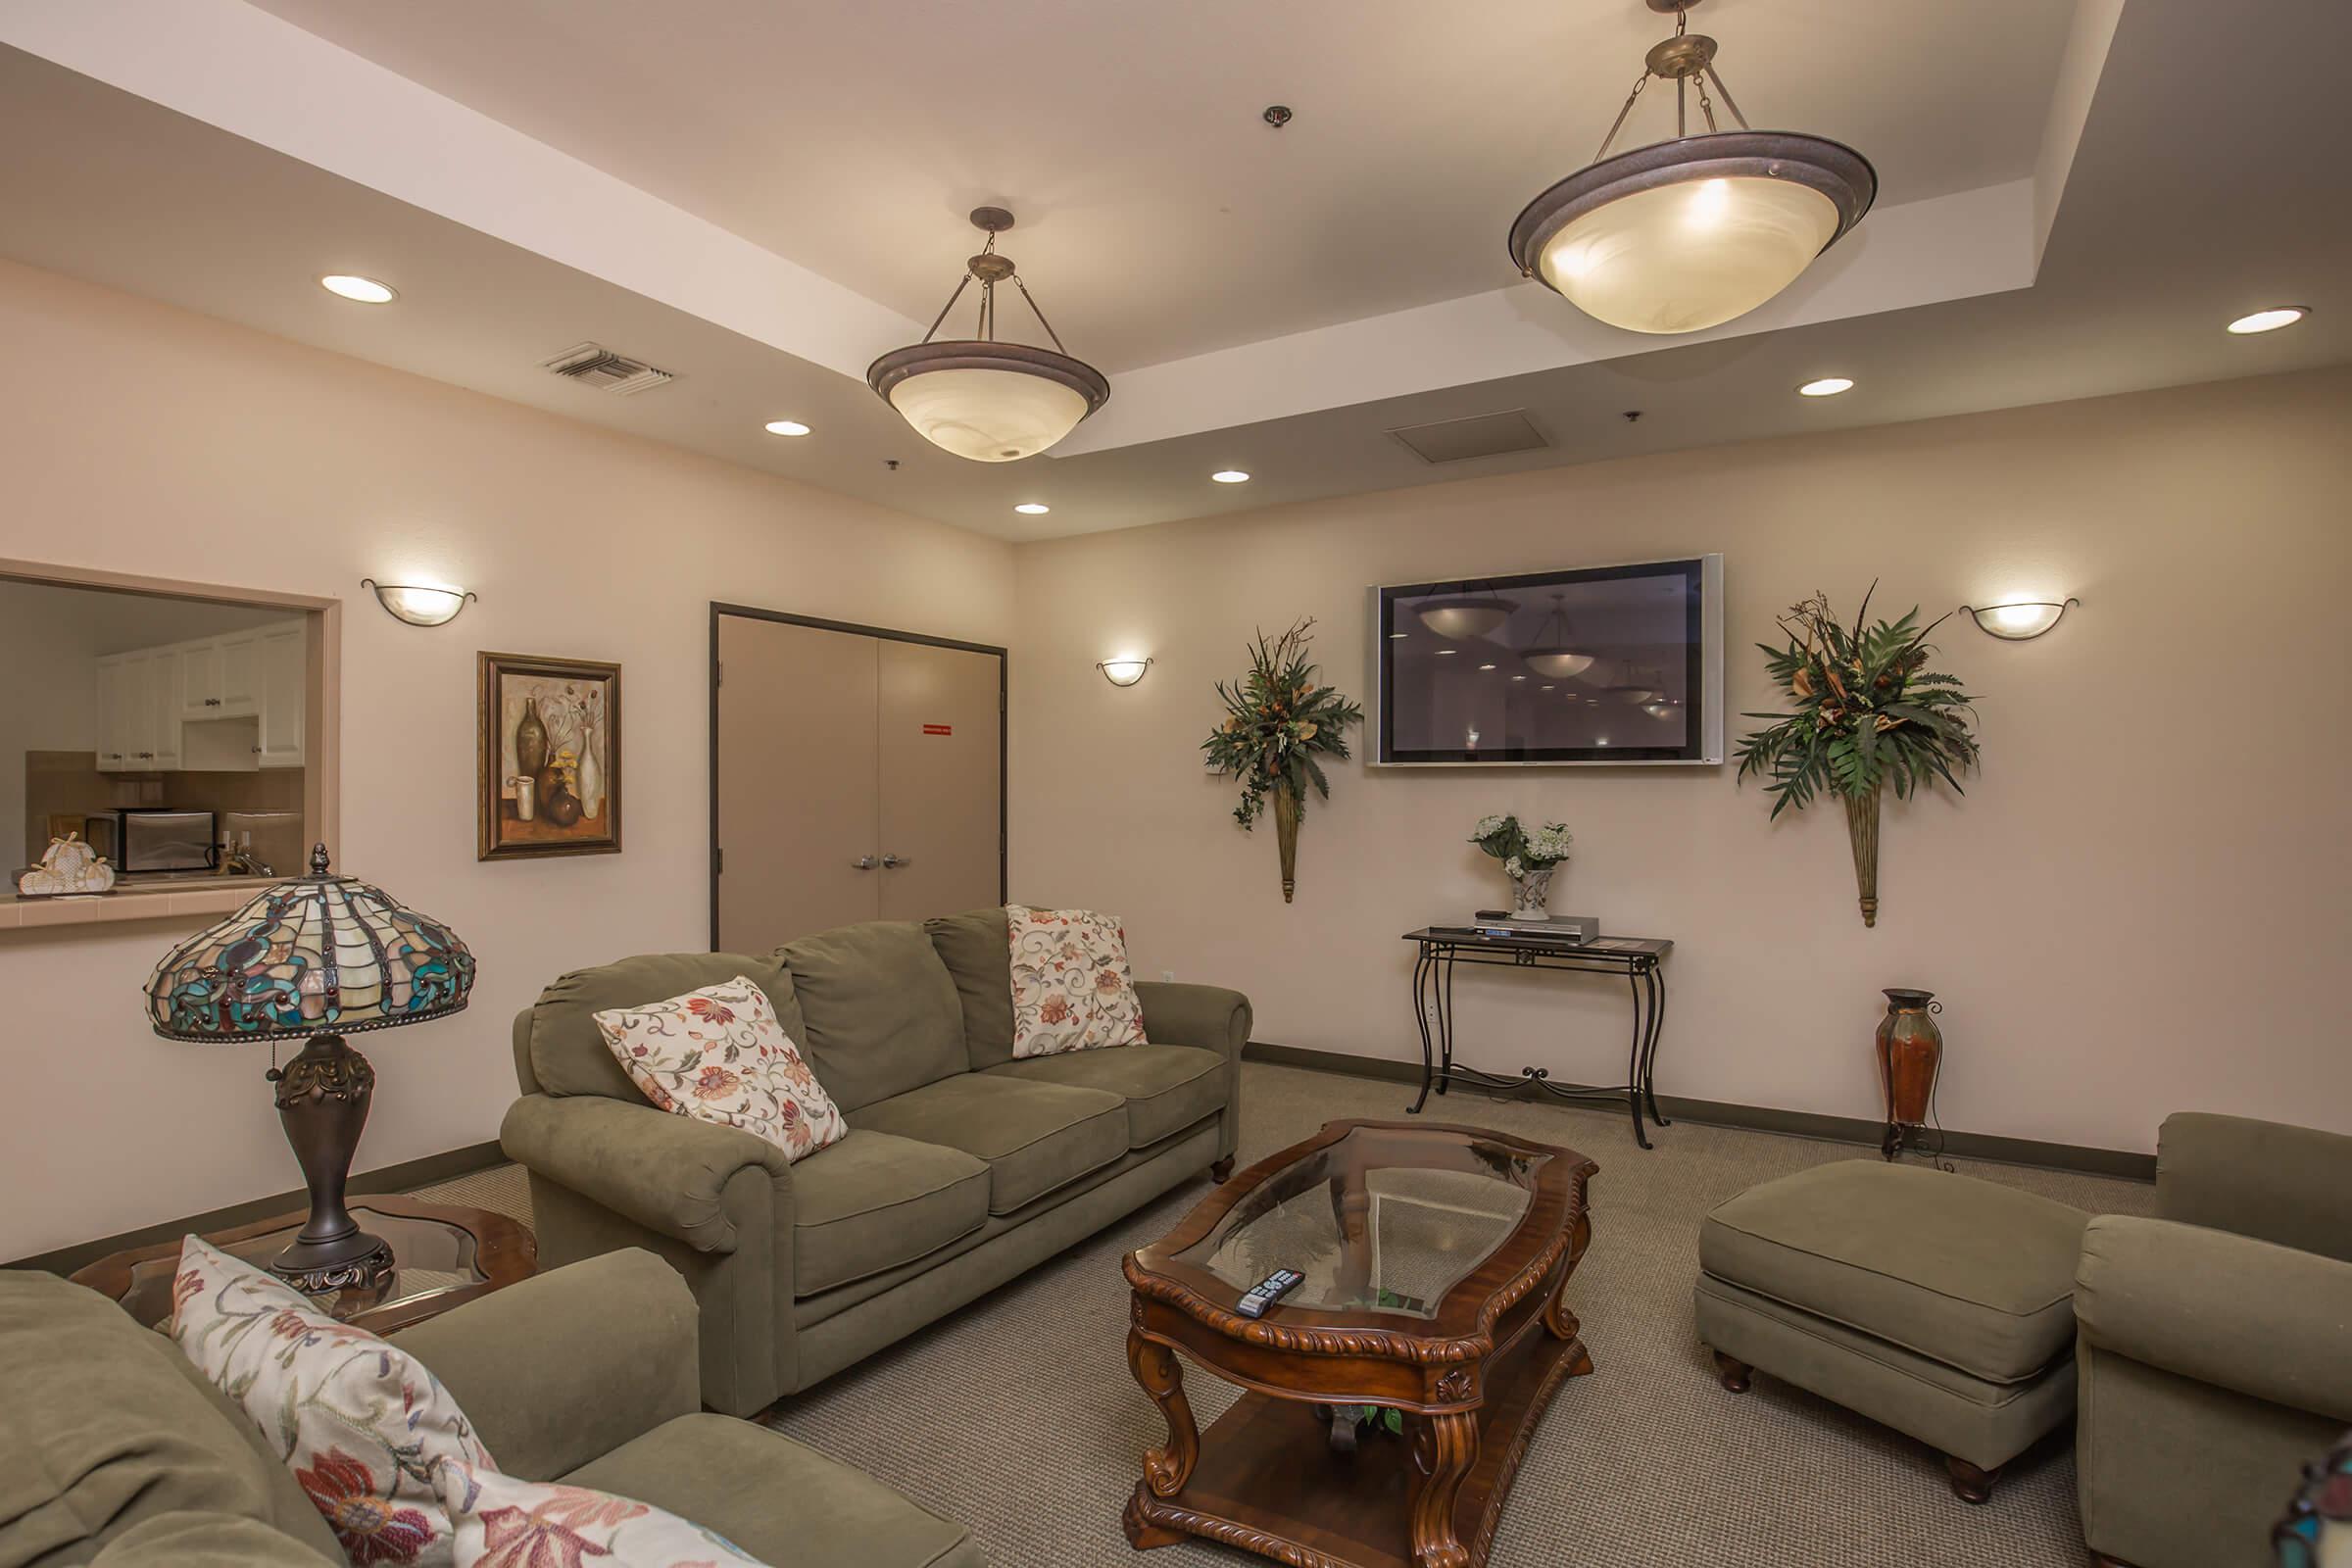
443, 1255
1436, 1258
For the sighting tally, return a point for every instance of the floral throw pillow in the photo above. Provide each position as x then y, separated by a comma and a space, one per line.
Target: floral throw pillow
506, 1523
719, 1054
1071, 987
360, 1422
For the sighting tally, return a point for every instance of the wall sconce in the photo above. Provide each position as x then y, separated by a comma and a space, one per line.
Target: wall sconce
419, 605
1123, 671
2021, 619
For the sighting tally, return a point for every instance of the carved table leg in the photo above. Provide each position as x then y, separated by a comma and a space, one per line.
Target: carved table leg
1732, 1374
1969, 1483
1445, 1448
1155, 1367
1556, 1318
1221, 1170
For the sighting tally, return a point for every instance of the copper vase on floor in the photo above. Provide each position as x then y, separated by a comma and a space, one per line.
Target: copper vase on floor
1910, 1049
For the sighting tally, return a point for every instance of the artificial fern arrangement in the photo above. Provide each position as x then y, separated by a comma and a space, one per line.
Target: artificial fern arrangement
1869, 713
1278, 720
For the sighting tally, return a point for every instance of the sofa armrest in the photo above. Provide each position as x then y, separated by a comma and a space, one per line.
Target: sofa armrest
2265, 1321
663, 1171
1208, 1017
564, 1367
2290, 1185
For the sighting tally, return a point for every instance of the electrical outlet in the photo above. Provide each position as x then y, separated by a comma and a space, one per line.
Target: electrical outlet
1168, 974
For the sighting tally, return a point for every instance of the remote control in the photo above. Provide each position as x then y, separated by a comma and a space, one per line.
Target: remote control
1268, 1291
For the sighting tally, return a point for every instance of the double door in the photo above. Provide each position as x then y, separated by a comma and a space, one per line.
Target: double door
855, 776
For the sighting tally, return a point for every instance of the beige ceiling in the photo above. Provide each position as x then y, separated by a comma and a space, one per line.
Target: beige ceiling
2191, 200
1159, 216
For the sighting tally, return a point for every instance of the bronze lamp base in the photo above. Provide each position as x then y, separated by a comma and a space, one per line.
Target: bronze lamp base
322, 1098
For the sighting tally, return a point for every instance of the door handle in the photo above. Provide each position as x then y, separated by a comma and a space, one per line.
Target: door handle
864, 862
890, 863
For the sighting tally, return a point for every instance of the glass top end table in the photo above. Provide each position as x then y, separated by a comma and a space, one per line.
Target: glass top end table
442, 1254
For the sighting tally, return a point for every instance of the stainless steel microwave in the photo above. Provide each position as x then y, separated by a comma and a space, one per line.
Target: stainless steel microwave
155, 840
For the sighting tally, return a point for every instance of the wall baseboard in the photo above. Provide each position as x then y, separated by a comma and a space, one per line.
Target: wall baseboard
2079, 1158
400, 1178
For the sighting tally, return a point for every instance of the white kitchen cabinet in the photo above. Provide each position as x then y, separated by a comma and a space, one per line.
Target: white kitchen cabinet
283, 665
218, 704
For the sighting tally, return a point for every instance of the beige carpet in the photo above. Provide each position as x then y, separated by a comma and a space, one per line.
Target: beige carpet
1017, 1414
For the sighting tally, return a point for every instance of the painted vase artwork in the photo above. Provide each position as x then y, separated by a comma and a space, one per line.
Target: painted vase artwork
550, 765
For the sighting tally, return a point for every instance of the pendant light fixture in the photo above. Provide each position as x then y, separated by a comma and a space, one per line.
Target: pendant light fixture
981, 399
1686, 235
1465, 615
1551, 655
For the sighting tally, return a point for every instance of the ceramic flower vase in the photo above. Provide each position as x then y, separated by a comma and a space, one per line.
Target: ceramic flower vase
1530, 894
1286, 837
592, 778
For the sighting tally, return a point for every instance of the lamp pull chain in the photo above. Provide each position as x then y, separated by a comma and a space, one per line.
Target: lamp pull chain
1706, 106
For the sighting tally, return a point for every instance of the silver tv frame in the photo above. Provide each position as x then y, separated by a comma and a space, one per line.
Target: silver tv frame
1710, 675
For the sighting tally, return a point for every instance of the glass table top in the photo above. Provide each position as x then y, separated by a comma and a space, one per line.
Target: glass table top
1382, 1220
429, 1257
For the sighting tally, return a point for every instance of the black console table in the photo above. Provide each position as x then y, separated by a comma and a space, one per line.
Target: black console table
1637, 959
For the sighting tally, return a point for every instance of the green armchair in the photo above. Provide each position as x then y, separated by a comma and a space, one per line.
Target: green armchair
2215, 1343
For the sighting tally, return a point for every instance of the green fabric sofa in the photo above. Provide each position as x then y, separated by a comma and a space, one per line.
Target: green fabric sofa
2214, 1344
963, 1167
114, 1450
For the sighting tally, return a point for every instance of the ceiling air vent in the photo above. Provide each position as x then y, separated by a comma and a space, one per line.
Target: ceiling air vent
1480, 435
592, 365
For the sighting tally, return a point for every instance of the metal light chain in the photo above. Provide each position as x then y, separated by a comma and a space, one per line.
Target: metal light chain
1705, 107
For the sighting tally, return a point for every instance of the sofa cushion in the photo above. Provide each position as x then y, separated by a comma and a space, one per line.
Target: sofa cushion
568, 1054
1035, 1137
873, 1202
1167, 1088
881, 1012
103, 1426
1072, 988
1967, 1272
775, 1499
503, 1522
974, 949
193, 1540
717, 1055
359, 1421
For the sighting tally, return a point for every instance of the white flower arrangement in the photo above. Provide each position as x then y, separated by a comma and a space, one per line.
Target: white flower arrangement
1520, 851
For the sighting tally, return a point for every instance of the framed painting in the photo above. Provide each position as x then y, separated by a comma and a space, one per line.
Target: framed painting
548, 749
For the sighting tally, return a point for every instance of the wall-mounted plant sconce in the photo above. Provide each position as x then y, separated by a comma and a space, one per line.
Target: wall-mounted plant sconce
1123, 671
2017, 621
419, 605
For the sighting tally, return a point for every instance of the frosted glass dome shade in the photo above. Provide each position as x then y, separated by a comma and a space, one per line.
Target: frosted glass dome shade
1560, 664
1688, 234
1463, 616
989, 401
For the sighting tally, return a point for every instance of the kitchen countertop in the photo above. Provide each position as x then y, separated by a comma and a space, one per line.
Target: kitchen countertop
151, 896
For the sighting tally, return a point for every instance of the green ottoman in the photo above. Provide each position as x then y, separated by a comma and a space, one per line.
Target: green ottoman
1939, 1305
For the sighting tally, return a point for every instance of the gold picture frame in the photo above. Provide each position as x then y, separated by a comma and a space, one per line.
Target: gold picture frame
562, 715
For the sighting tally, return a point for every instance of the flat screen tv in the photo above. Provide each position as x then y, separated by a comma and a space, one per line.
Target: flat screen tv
1594, 665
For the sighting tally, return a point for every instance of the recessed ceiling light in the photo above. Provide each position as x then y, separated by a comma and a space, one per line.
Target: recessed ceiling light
2269, 321
1486, 667
1033, 509
1443, 653
786, 427
365, 291
1398, 636
1828, 386
1230, 477
1518, 677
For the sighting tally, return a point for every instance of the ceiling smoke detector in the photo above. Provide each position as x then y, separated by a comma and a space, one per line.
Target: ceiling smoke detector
593, 365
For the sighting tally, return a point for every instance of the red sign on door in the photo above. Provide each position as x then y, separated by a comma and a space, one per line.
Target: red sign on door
939, 729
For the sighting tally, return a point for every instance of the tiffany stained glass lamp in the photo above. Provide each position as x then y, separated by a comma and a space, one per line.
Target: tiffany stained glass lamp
319, 956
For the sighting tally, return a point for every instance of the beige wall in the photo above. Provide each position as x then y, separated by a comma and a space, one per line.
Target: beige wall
142, 438
2139, 907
